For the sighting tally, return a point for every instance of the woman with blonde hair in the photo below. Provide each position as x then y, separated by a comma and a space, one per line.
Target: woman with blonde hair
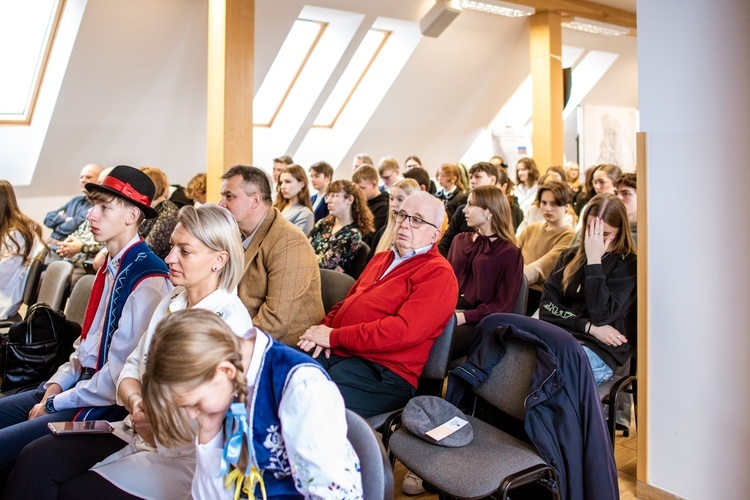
487, 263
591, 291
337, 238
205, 264
270, 422
452, 193
20, 242
383, 238
157, 231
293, 198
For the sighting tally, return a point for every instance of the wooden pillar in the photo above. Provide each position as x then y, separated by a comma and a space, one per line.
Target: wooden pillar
231, 47
547, 82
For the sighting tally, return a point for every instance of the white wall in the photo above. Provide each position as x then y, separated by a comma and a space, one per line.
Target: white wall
695, 105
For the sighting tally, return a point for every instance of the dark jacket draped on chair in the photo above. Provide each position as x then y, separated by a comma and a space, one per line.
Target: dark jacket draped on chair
564, 418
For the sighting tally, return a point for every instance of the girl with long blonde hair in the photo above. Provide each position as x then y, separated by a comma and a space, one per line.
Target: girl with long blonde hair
270, 423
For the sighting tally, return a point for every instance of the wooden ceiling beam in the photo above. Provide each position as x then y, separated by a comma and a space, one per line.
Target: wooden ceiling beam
584, 9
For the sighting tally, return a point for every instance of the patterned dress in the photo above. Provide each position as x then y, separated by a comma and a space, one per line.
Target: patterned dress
157, 231
335, 250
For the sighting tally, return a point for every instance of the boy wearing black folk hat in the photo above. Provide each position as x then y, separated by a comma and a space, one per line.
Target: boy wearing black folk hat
126, 291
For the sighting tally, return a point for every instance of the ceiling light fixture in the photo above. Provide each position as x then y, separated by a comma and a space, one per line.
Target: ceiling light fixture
439, 17
595, 27
498, 7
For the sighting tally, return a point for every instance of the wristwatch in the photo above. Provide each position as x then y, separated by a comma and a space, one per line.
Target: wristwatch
49, 405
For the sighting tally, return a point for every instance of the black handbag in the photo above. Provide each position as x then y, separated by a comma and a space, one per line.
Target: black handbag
33, 349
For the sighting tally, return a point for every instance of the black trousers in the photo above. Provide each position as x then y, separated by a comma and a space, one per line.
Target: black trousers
58, 467
368, 388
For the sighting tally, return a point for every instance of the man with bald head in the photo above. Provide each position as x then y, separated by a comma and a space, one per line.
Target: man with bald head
68, 217
376, 341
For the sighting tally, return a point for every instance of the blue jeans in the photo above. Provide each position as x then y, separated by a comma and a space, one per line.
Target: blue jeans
16, 430
602, 371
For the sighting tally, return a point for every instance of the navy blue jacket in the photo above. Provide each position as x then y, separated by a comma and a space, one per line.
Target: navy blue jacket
564, 417
322, 211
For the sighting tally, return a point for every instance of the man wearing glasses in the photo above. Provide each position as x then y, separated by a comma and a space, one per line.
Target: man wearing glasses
375, 343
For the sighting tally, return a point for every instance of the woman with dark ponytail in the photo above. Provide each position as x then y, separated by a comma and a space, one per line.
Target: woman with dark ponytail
270, 423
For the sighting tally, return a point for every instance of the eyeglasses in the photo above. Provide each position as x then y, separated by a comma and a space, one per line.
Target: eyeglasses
332, 196
414, 221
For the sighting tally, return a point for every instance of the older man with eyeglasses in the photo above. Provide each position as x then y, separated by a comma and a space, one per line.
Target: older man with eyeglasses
375, 343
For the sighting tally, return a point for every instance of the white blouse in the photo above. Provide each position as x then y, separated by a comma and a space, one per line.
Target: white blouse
13, 272
313, 429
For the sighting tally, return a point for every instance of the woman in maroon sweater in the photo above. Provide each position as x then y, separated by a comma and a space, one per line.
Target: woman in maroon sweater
487, 263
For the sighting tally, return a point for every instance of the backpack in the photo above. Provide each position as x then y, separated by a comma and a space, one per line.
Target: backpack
33, 349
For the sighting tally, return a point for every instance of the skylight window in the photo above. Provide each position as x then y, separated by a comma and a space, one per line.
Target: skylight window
360, 63
289, 63
27, 30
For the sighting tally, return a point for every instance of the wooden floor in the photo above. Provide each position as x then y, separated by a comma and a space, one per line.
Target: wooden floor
625, 455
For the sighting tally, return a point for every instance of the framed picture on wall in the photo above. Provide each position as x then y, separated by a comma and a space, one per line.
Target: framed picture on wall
607, 135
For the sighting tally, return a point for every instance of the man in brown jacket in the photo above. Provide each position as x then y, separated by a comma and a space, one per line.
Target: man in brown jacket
281, 282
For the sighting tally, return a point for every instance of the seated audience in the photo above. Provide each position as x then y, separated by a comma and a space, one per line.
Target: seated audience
366, 178
498, 162
157, 231
20, 242
337, 239
321, 174
205, 265
487, 263
420, 175
452, 192
293, 198
280, 164
534, 213
377, 340
196, 189
361, 159
411, 162
389, 172
542, 242
242, 393
592, 289
383, 238
573, 177
67, 218
281, 284
480, 174
625, 189
527, 174
125, 294
587, 191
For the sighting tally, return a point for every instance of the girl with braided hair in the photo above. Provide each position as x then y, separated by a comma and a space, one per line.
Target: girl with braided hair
270, 423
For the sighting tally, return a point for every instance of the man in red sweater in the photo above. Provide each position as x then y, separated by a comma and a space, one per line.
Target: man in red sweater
377, 340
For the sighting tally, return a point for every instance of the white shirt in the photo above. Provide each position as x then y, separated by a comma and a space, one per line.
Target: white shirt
398, 259
100, 390
526, 196
313, 427
13, 272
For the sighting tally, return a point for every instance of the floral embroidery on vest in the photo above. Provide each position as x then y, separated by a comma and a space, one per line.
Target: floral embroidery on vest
279, 460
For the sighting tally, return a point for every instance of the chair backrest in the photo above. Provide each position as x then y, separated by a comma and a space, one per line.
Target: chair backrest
509, 383
377, 476
519, 306
333, 287
31, 288
75, 309
360, 260
440, 354
55, 284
